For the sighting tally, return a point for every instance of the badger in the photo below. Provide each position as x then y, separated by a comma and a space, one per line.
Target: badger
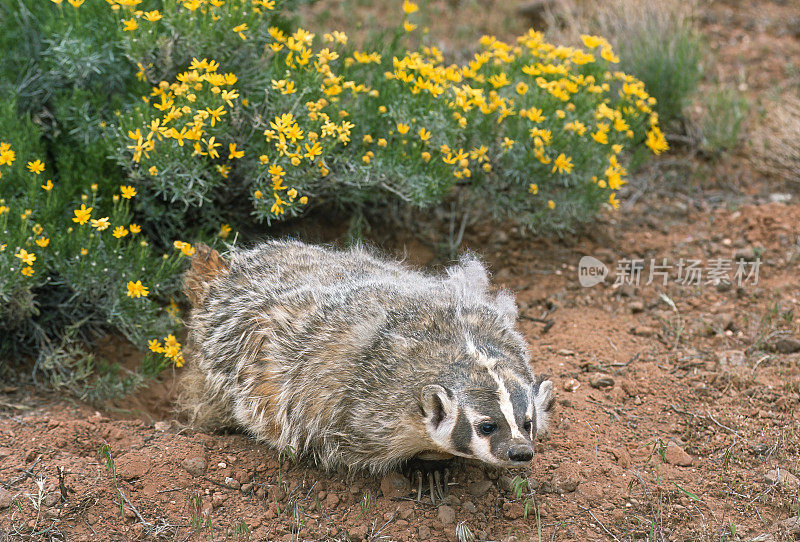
358, 362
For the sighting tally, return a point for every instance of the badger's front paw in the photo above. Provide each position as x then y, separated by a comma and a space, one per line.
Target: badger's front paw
434, 468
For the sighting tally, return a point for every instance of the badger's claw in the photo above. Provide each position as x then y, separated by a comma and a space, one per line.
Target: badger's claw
435, 471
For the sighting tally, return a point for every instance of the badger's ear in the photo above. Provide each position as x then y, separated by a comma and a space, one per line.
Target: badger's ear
438, 404
469, 276
507, 305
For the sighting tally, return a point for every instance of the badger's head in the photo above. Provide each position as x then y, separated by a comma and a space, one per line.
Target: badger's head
495, 423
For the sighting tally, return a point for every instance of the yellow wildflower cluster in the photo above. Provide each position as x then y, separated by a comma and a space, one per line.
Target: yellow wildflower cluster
171, 349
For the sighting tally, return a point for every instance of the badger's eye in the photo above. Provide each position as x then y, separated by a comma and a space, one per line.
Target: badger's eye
487, 428
528, 425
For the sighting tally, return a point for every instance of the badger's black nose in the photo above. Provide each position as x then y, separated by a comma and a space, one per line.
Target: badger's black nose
520, 452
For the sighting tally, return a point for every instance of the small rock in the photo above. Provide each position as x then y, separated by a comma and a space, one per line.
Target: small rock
446, 514
469, 507
479, 489
622, 457
246, 488
332, 500
785, 345
162, 426
196, 466
601, 381
791, 525
636, 306
512, 510
571, 385
730, 358
232, 483
395, 485
511, 538
675, 455
644, 331
724, 322
358, 533
424, 532
784, 478
6, 497
627, 290
747, 254
217, 500
452, 500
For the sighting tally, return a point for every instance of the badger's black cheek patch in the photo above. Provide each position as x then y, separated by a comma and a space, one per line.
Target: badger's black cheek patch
462, 434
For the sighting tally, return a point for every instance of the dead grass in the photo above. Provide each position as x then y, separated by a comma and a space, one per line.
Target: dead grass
775, 147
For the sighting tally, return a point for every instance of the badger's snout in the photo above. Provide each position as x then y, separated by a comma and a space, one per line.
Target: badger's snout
520, 452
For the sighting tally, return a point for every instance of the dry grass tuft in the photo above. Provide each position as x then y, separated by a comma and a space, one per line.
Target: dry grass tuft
775, 143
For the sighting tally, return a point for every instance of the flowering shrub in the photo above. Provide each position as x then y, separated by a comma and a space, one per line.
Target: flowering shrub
160, 121
539, 132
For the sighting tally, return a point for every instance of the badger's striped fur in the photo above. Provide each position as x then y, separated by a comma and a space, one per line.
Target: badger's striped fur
356, 361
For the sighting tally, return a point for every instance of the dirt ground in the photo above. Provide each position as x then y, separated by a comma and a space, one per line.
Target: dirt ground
677, 410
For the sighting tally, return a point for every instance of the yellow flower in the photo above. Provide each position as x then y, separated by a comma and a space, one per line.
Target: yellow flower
382, 142
152, 16
424, 135
233, 153
127, 191
402, 128
152, 170
130, 25
409, 27
426, 156
224, 231
119, 232
76, 3
136, 289
609, 55
43, 241
522, 88
562, 164
410, 7
367, 139
239, 29
37, 166
258, 194
533, 188
551, 204
82, 215
48, 185
27, 271
612, 200
135, 228
656, 141
185, 248
26, 257
508, 143
84, 252
101, 224
593, 41
382, 109
155, 346
303, 200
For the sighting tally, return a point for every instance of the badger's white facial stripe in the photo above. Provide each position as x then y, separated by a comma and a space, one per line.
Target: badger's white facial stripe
529, 411
505, 405
480, 447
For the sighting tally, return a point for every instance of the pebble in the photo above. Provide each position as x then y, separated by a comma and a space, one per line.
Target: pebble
785, 345
571, 385
195, 466
332, 500
424, 532
675, 455
601, 381
6, 497
513, 510
636, 306
469, 507
478, 489
446, 514
232, 483
784, 478
644, 331
359, 532
395, 485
